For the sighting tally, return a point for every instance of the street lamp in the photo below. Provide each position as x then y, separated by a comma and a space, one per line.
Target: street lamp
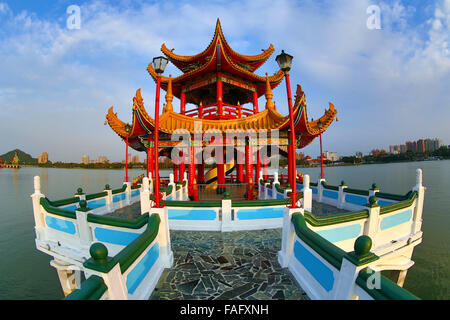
127, 130
320, 125
284, 61
159, 64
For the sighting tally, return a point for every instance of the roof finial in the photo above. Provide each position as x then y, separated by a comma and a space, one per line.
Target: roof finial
169, 95
269, 94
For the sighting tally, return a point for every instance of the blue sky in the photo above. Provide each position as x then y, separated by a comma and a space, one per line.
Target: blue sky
388, 85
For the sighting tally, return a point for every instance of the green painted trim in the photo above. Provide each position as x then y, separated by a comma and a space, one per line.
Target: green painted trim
357, 191
388, 289
169, 190
46, 204
391, 196
279, 188
119, 222
124, 187
314, 184
135, 187
258, 203
399, 205
96, 195
330, 187
324, 248
63, 202
130, 253
315, 221
202, 204
91, 289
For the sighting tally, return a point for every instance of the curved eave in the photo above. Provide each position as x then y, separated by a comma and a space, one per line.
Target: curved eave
211, 66
254, 61
309, 129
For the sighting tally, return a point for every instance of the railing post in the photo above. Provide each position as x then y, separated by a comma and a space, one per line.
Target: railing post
128, 192
307, 194
227, 223
113, 278
352, 263
83, 226
371, 226
287, 237
69, 276
164, 236
145, 196
418, 210
320, 189
36, 198
109, 198
174, 186
341, 195
373, 190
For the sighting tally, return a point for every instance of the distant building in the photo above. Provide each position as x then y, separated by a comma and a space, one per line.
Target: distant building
102, 159
332, 156
43, 158
300, 156
85, 159
359, 154
411, 146
420, 145
402, 148
135, 159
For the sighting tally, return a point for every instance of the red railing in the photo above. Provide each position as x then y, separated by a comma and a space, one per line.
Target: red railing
211, 110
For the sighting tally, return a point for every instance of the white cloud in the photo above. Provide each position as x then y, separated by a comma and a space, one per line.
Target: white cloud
380, 80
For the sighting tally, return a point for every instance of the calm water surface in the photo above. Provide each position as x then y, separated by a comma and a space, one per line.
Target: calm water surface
25, 273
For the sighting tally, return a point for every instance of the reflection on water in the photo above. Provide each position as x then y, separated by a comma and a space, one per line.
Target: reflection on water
26, 273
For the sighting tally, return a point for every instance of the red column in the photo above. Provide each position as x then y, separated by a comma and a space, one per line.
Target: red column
201, 172
289, 162
240, 166
265, 170
175, 172
321, 157
258, 166
182, 167
219, 95
156, 139
255, 102
221, 170
292, 145
126, 161
148, 161
183, 103
248, 171
191, 176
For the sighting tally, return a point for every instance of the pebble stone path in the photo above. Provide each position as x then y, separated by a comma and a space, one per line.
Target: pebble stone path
240, 265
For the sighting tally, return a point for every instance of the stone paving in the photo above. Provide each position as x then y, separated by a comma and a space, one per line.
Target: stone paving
240, 265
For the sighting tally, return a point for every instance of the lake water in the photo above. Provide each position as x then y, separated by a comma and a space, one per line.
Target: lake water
25, 272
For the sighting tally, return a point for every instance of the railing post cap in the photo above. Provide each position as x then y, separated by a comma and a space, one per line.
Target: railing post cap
362, 246
99, 252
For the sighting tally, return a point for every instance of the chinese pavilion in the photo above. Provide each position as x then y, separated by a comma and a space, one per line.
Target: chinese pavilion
219, 82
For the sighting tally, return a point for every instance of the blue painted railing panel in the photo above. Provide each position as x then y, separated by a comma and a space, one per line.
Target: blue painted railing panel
119, 197
94, 204
330, 194
122, 238
358, 200
323, 275
60, 224
342, 233
135, 277
260, 213
396, 219
187, 214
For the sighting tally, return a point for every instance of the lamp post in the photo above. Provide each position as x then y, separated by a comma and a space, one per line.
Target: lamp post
159, 64
127, 130
320, 125
284, 61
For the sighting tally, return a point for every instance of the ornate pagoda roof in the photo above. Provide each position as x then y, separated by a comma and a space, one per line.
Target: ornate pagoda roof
269, 119
248, 62
218, 57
